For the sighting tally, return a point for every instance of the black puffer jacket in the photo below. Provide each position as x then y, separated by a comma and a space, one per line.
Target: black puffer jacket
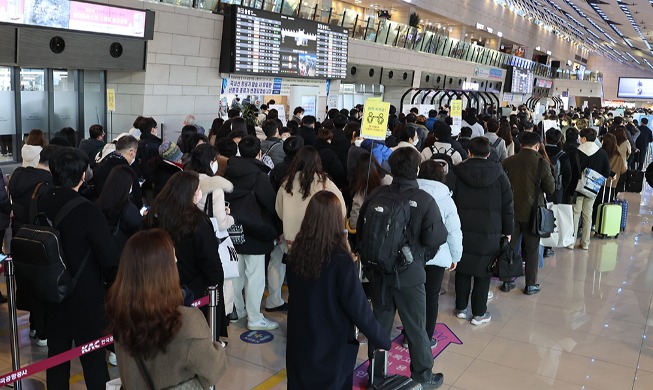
330, 163
250, 174
482, 193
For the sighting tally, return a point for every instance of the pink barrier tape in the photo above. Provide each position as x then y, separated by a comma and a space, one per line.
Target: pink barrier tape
34, 368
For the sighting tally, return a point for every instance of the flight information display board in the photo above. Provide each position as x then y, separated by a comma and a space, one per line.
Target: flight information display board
266, 43
522, 81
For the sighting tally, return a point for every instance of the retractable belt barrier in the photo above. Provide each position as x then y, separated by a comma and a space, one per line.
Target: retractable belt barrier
24, 372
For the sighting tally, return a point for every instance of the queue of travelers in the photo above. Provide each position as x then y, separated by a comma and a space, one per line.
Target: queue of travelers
302, 203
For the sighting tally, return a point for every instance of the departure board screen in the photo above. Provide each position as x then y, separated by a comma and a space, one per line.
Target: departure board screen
266, 43
522, 81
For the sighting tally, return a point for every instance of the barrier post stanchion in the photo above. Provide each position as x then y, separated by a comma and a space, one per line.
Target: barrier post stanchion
13, 317
214, 296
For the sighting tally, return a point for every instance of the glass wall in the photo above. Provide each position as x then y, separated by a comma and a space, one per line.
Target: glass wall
7, 113
48, 100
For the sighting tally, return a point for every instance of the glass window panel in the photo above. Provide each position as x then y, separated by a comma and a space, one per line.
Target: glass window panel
336, 19
185, 3
7, 115
209, 5
371, 30
273, 5
350, 18
33, 100
65, 101
289, 7
94, 111
402, 37
393, 30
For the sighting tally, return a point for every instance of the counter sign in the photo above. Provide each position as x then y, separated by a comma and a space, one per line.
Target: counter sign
375, 119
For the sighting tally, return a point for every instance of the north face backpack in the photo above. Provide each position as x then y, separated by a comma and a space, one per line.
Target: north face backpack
385, 240
443, 157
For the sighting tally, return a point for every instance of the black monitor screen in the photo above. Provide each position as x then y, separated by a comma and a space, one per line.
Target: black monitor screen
267, 43
635, 87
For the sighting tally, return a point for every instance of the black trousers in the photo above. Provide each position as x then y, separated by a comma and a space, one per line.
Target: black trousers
530, 244
410, 302
67, 324
434, 276
479, 293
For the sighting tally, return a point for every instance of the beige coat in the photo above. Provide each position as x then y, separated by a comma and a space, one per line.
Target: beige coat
291, 207
190, 353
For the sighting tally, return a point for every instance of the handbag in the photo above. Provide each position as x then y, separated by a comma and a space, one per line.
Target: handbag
191, 384
563, 235
589, 182
542, 218
507, 264
226, 249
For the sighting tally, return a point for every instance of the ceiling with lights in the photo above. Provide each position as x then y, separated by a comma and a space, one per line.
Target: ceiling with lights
622, 31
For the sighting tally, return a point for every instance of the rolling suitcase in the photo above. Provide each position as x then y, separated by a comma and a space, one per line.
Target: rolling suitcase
379, 379
608, 223
624, 212
634, 180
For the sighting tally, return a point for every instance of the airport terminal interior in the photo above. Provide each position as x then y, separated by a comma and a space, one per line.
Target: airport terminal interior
550, 64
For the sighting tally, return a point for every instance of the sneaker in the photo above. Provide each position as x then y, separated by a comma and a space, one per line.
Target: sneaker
460, 314
570, 246
283, 308
224, 344
113, 360
42, 342
480, 320
435, 382
584, 247
548, 252
263, 324
490, 295
532, 289
434, 343
507, 286
233, 317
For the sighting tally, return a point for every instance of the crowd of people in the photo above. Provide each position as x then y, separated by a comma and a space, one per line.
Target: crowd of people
302, 203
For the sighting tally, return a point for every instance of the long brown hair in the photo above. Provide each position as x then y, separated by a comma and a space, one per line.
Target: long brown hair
306, 164
142, 304
505, 132
173, 209
609, 144
321, 232
620, 133
368, 175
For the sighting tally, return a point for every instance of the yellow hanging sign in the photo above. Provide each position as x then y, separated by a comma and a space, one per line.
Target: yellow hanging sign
111, 99
375, 119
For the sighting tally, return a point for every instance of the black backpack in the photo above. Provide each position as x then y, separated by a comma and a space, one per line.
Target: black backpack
39, 258
443, 157
385, 241
557, 174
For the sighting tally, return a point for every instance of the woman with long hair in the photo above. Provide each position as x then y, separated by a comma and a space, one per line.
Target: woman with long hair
305, 178
123, 217
175, 211
155, 335
185, 138
623, 145
326, 302
368, 175
505, 133
617, 168
31, 151
213, 132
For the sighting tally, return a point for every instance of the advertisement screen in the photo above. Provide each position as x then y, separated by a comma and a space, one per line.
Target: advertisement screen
635, 87
74, 15
267, 43
522, 81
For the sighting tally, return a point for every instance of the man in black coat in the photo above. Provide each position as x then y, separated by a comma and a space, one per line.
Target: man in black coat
642, 142
556, 154
125, 154
482, 192
405, 291
340, 144
94, 143
80, 318
148, 146
307, 130
249, 175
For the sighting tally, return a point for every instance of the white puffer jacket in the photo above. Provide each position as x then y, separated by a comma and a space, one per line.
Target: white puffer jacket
218, 186
452, 250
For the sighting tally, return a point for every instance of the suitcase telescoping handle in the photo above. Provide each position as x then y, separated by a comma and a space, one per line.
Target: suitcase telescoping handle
609, 190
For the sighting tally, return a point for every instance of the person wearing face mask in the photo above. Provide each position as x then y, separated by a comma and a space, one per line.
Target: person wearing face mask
125, 154
407, 137
176, 211
297, 115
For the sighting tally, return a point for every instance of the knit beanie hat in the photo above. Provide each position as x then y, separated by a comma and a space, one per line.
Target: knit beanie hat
170, 151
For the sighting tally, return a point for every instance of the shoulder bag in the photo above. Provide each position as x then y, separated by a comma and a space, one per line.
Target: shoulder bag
191, 384
542, 218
